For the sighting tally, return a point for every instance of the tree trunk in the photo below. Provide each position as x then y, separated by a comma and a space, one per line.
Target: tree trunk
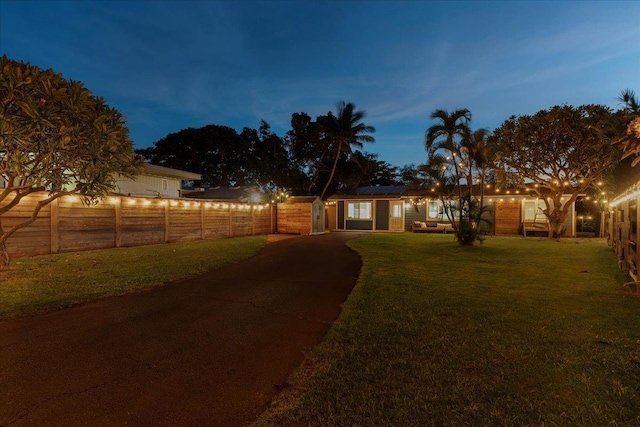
333, 169
4, 257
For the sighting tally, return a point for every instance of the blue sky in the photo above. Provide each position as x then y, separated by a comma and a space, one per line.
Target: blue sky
168, 65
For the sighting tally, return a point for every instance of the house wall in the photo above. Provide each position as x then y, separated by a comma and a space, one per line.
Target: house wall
378, 222
68, 225
507, 217
331, 216
413, 213
150, 185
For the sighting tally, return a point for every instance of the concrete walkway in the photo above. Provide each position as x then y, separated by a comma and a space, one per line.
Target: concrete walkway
208, 351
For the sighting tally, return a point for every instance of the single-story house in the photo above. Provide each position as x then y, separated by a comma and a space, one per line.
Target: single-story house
398, 208
230, 194
155, 181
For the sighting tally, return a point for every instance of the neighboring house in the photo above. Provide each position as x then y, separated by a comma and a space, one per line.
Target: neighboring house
237, 194
396, 208
155, 181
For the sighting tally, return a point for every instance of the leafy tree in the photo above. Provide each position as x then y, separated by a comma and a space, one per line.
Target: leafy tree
268, 165
561, 151
55, 136
308, 151
344, 130
218, 153
364, 169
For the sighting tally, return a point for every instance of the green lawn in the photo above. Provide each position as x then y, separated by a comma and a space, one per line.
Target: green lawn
54, 281
512, 332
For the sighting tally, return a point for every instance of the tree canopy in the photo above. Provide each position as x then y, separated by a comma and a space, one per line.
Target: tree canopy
56, 136
557, 153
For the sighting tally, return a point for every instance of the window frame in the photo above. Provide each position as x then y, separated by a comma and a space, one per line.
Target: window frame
350, 213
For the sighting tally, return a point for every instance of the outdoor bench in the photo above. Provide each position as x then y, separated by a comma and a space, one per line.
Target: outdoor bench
535, 227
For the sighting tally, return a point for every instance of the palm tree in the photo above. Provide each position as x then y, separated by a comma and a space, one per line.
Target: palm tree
631, 104
448, 135
344, 130
482, 155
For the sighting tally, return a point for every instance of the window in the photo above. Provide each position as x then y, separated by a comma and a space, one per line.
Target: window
359, 210
396, 210
533, 210
435, 210
165, 185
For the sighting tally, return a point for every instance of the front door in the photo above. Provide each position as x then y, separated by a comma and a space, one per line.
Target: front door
396, 216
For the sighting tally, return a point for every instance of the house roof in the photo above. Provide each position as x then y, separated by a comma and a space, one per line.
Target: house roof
379, 191
150, 169
243, 194
400, 191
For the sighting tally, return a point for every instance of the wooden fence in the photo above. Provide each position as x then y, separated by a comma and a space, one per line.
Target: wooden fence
68, 225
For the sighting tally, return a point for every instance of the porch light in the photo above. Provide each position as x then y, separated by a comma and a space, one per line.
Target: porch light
146, 202
113, 200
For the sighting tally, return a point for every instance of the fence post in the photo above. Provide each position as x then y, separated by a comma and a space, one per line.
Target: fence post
202, 213
253, 220
55, 220
166, 220
117, 206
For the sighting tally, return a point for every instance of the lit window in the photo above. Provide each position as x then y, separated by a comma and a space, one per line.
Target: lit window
533, 210
359, 210
397, 211
435, 210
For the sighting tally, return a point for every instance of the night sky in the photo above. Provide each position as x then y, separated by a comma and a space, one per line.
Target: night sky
169, 65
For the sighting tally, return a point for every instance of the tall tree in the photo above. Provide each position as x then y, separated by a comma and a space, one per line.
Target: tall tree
561, 151
448, 135
216, 152
55, 136
483, 155
453, 153
269, 163
308, 150
344, 130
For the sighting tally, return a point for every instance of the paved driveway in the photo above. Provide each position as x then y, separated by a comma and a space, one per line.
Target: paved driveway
208, 351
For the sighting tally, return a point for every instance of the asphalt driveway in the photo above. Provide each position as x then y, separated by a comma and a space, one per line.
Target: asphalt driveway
208, 351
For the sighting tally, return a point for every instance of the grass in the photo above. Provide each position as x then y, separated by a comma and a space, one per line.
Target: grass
513, 332
54, 281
